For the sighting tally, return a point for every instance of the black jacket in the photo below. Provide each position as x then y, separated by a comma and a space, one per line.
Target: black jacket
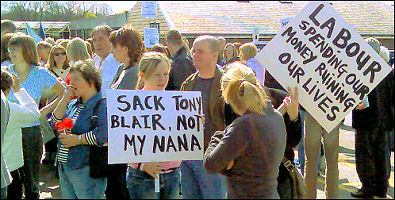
181, 68
380, 113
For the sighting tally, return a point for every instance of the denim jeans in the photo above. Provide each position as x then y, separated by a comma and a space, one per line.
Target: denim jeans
77, 184
196, 183
141, 185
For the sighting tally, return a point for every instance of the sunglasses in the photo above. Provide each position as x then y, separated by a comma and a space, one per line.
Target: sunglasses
58, 54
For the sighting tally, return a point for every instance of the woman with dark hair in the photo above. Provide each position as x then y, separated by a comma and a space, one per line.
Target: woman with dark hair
73, 157
127, 48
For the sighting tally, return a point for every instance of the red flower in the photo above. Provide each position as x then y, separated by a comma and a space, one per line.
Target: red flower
67, 123
59, 125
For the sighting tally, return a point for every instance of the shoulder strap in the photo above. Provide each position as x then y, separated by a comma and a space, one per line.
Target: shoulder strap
96, 113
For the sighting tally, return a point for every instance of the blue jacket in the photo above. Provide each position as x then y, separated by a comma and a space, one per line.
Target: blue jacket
78, 156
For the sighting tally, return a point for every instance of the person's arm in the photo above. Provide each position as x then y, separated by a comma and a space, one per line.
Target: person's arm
97, 136
226, 147
60, 109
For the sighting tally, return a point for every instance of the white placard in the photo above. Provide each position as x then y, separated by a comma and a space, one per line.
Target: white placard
148, 9
154, 126
151, 37
325, 57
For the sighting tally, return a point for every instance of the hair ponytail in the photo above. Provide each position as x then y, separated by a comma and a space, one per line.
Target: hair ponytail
241, 91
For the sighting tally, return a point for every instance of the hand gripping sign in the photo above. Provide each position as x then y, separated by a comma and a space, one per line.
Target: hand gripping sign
154, 126
329, 62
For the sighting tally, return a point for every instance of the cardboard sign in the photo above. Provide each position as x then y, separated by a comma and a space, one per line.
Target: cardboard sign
333, 67
151, 37
154, 126
148, 9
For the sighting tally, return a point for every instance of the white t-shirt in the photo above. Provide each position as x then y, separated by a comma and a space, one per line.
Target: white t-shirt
109, 68
20, 116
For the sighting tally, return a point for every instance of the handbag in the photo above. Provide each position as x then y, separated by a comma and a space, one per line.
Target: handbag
298, 184
98, 156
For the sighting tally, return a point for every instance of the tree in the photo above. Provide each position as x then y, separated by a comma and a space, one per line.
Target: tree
52, 10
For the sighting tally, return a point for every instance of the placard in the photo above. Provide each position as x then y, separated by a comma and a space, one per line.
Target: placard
148, 9
331, 64
151, 37
154, 126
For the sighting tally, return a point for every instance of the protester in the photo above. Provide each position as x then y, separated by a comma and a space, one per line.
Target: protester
7, 26
43, 49
58, 41
64, 43
229, 55
76, 50
182, 65
35, 80
259, 132
73, 153
161, 49
104, 59
6, 178
21, 115
222, 43
153, 75
58, 65
90, 40
89, 47
248, 52
5, 57
50, 40
196, 183
185, 44
312, 144
127, 49
371, 125
237, 47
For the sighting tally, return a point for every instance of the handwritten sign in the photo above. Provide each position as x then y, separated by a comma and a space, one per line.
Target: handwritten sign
333, 67
148, 9
154, 126
151, 37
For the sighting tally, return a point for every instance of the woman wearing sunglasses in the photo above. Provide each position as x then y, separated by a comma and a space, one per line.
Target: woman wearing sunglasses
58, 65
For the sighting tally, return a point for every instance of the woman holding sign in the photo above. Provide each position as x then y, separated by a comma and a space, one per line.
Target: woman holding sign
153, 75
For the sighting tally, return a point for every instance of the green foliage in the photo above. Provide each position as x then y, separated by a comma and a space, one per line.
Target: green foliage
52, 10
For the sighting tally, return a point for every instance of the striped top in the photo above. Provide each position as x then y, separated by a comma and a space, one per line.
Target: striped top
62, 153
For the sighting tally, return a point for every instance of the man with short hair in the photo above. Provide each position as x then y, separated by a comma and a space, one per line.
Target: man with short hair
222, 44
104, 59
195, 181
182, 65
7, 26
116, 181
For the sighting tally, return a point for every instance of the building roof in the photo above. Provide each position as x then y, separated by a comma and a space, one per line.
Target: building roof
36, 24
114, 21
372, 18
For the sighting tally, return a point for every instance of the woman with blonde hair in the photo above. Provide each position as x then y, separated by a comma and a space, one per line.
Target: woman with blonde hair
248, 51
58, 65
229, 55
249, 151
153, 75
77, 50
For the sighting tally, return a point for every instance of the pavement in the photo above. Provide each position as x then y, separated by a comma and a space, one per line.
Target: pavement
348, 177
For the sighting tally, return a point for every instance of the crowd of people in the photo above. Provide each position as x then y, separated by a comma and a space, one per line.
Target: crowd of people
252, 125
